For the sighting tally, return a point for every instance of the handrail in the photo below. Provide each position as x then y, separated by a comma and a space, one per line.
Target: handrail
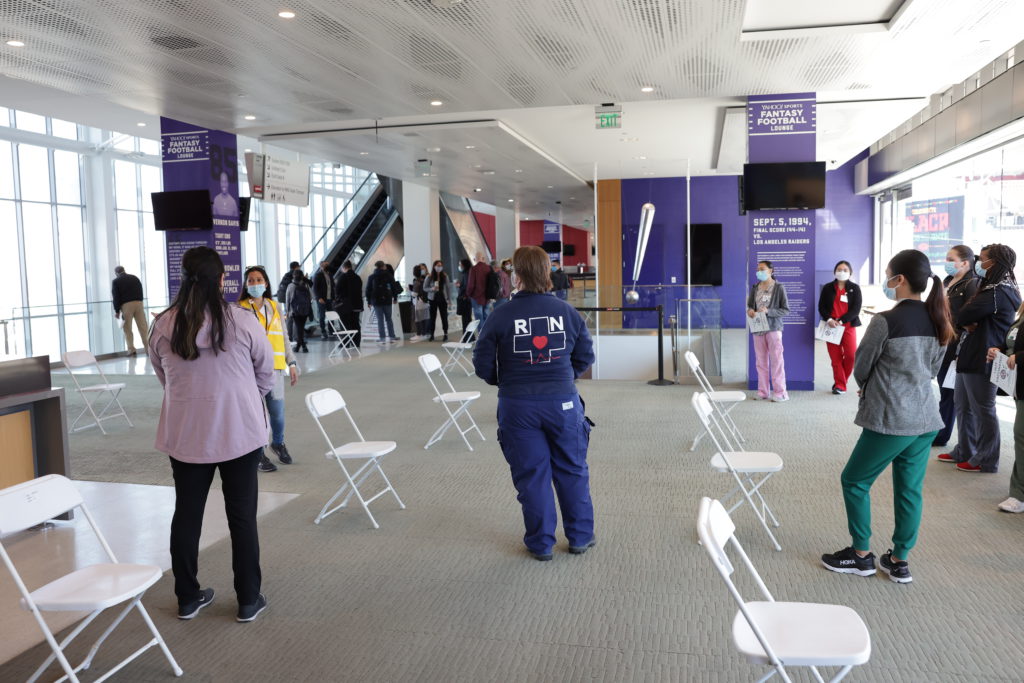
336, 218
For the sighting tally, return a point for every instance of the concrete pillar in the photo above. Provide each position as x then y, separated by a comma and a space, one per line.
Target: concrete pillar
421, 216
506, 232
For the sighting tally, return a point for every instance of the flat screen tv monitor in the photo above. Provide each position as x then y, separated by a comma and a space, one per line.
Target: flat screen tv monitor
569, 250
706, 253
796, 185
243, 212
183, 210
551, 246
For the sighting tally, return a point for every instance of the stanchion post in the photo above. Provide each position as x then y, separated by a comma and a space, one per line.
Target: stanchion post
661, 381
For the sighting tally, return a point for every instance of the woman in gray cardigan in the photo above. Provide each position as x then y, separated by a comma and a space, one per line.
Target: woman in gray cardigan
769, 297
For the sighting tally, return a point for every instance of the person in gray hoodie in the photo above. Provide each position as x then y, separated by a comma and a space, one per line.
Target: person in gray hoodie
898, 411
768, 296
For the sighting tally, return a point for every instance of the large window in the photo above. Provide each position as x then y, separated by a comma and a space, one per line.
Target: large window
977, 201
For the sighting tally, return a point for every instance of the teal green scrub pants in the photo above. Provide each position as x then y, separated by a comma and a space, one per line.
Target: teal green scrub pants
872, 454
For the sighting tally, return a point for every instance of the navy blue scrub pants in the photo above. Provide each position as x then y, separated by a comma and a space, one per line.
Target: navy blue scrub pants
545, 439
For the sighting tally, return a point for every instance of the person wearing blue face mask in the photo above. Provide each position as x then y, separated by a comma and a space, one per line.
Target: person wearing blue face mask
960, 284
986, 318
839, 305
256, 297
769, 297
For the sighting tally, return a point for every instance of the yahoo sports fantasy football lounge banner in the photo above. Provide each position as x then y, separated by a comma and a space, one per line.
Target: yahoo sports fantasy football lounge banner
195, 158
782, 128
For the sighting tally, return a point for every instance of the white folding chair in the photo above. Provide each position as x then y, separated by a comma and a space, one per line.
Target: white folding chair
781, 634
447, 399
346, 338
81, 359
740, 464
321, 404
89, 589
723, 401
457, 349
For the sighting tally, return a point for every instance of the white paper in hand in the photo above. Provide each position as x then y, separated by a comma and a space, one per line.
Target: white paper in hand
1002, 376
832, 335
949, 381
759, 323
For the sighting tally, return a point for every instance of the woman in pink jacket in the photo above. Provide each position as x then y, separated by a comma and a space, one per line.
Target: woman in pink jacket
216, 364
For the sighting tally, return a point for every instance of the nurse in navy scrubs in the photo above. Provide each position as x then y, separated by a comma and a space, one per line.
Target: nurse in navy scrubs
533, 348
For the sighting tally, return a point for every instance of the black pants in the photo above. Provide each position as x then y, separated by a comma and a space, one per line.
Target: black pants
438, 303
299, 329
191, 488
350, 319
947, 408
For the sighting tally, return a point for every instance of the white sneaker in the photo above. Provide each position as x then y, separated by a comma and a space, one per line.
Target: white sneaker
1011, 504
780, 399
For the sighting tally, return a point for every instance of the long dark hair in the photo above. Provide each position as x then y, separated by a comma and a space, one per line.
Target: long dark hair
466, 265
200, 295
916, 268
436, 276
1005, 261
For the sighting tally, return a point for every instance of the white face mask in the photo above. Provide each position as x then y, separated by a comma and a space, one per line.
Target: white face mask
842, 275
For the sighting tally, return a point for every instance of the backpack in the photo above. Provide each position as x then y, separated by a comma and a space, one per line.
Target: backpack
382, 290
396, 288
302, 301
492, 287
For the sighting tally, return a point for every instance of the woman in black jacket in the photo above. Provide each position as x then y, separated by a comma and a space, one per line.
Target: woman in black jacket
985, 318
436, 287
960, 284
462, 305
1014, 347
839, 305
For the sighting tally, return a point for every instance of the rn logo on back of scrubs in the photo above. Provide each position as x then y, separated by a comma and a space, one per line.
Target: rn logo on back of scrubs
539, 337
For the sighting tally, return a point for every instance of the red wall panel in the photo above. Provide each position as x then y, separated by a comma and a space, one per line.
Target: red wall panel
532, 232
486, 223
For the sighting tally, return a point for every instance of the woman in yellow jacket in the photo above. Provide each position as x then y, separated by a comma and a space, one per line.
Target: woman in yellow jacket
258, 298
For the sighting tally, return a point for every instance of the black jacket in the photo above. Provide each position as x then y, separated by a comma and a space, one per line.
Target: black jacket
321, 283
348, 294
854, 300
1018, 352
559, 280
384, 276
957, 295
125, 288
993, 309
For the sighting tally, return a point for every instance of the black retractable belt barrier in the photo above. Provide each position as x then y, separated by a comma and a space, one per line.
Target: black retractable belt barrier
661, 381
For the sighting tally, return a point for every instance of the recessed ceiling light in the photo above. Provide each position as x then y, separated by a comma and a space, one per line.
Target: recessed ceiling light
250, 117
247, 151
286, 14
470, 146
642, 158
15, 43
477, 189
364, 154
433, 149
511, 200
551, 187
571, 198
519, 170
647, 88
141, 124
436, 103
487, 172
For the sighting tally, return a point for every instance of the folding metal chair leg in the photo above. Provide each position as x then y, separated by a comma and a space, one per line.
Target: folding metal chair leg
57, 649
390, 487
159, 639
110, 629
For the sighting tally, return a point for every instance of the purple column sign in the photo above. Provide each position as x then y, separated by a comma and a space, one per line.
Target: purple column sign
781, 128
553, 233
198, 159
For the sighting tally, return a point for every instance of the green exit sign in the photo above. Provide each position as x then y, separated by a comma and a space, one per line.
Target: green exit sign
609, 120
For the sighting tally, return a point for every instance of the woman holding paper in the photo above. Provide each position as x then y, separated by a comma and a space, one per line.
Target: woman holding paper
961, 283
897, 412
768, 297
986, 318
839, 306
1014, 348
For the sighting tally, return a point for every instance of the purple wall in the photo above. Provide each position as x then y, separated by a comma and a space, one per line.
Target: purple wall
844, 230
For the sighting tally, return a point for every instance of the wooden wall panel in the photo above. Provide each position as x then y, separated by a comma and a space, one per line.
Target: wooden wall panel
609, 249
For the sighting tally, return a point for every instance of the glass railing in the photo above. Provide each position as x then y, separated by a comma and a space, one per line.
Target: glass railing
334, 231
51, 330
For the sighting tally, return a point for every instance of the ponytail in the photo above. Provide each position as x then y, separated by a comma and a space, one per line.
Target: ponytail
938, 311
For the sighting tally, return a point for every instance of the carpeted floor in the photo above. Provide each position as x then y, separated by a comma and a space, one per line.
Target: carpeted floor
444, 591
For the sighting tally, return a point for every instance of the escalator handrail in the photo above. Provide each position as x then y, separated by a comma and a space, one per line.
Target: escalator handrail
383, 209
338, 217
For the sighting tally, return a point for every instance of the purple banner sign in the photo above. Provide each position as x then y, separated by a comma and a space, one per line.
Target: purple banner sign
781, 128
553, 233
197, 159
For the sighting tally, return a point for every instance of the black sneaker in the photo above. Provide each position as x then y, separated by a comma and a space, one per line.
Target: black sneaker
847, 561
899, 572
247, 613
445, 337
281, 451
580, 549
191, 609
265, 464
837, 391
542, 557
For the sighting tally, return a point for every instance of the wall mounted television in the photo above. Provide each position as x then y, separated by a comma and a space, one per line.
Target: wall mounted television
706, 253
794, 185
183, 210
552, 246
